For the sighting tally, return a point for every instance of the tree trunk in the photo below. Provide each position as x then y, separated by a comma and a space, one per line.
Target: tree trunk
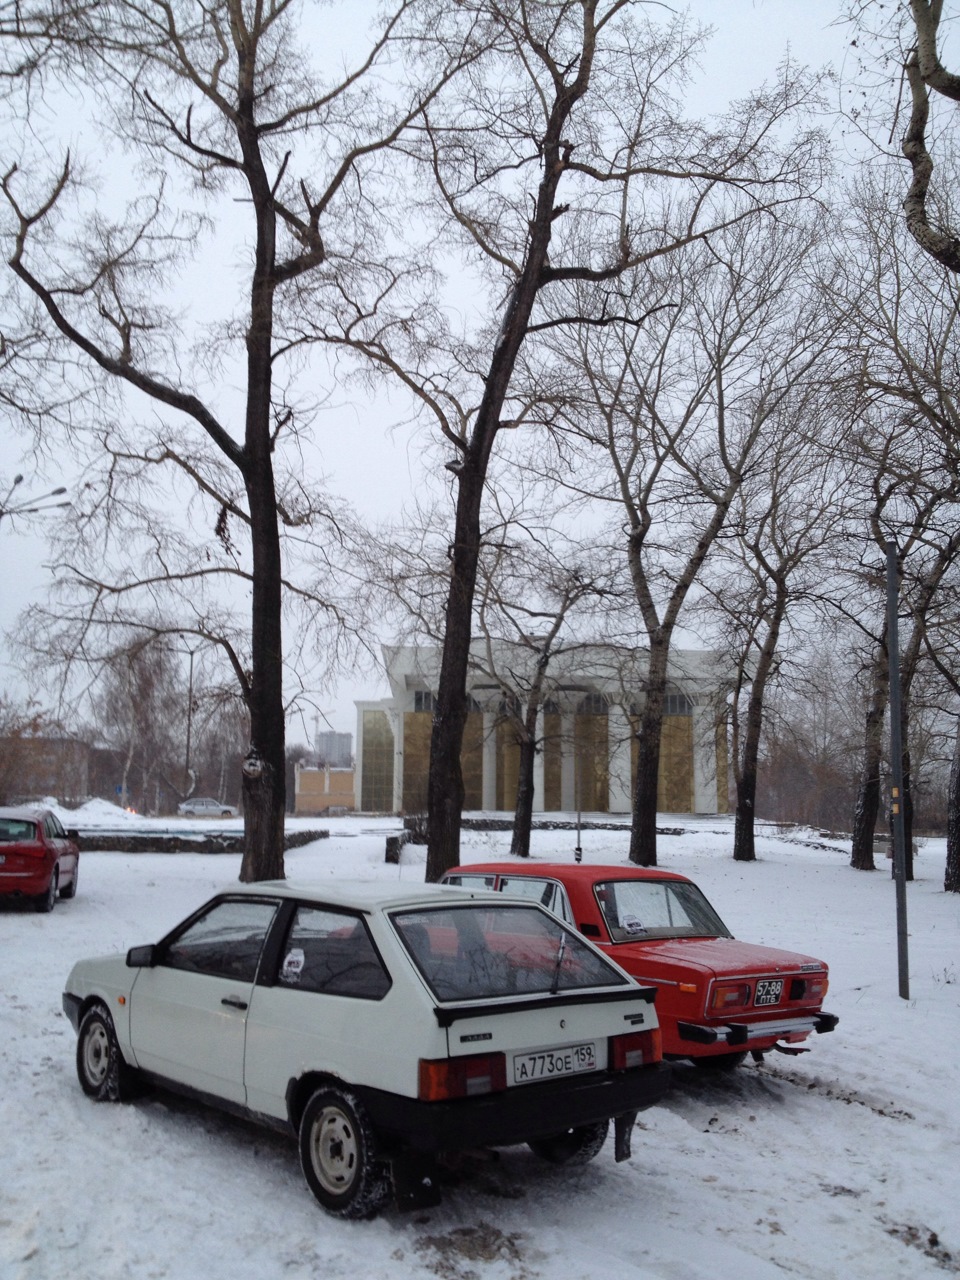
445, 780
868, 792
643, 833
523, 814
264, 770
744, 849
951, 879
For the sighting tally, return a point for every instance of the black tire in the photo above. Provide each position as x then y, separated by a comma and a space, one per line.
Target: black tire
101, 1070
46, 900
573, 1146
720, 1061
70, 890
337, 1155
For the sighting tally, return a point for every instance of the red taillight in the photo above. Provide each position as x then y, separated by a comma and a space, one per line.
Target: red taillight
442, 1078
730, 995
809, 989
635, 1049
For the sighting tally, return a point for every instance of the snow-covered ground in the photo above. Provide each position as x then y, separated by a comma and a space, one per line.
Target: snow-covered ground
839, 1163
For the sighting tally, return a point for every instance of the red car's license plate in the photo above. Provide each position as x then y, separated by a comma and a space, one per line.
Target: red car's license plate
769, 991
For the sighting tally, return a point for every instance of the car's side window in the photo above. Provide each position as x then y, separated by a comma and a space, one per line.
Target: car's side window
547, 892
470, 882
225, 942
331, 952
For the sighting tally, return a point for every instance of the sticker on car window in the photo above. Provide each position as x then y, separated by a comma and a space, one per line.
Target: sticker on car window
292, 965
632, 924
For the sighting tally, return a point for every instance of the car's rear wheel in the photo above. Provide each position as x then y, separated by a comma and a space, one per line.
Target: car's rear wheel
337, 1155
46, 900
573, 1146
720, 1061
70, 890
103, 1074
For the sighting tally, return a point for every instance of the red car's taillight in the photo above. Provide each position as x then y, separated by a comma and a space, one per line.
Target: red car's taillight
810, 989
635, 1049
730, 995
443, 1078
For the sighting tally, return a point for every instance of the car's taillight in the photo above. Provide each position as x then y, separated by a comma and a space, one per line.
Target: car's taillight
442, 1078
730, 995
32, 848
809, 988
635, 1049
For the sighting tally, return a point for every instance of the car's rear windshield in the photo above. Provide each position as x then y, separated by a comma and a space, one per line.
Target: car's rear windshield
17, 829
636, 909
479, 951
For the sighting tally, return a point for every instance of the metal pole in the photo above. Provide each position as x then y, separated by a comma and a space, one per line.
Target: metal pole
896, 765
189, 716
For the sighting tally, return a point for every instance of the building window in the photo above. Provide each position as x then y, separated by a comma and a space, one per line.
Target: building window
423, 700
592, 704
677, 704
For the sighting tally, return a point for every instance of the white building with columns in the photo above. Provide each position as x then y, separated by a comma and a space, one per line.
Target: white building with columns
586, 730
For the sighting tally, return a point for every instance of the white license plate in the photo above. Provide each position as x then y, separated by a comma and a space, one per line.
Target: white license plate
769, 991
554, 1062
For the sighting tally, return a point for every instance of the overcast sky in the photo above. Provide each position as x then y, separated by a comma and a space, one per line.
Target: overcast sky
751, 37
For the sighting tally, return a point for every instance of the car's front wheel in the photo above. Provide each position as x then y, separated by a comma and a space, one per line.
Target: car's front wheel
70, 890
102, 1072
337, 1155
573, 1146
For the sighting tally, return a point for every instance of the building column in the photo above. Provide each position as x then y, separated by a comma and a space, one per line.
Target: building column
395, 717
619, 739
489, 787
568, 762
705, 799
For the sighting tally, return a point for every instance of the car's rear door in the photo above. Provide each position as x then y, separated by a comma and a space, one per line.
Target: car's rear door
188, 1012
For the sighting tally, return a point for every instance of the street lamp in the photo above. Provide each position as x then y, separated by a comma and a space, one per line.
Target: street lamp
31, 506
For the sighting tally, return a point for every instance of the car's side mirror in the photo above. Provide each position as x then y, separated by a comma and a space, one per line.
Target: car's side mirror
72, 833
142, 957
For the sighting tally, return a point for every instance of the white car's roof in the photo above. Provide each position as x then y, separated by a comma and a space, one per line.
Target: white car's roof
369, 895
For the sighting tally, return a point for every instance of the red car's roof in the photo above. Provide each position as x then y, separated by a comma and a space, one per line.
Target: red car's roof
569, 872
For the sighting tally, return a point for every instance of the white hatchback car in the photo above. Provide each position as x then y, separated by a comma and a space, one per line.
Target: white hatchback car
383, 1024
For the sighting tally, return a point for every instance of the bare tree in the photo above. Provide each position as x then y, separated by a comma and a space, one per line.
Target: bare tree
678, 412
770, 573
217, 103
570, 162
899, 315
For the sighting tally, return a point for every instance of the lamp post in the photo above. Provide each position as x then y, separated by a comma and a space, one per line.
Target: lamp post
31, 506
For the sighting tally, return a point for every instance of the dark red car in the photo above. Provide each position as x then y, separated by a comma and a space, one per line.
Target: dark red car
717, 998
38, 859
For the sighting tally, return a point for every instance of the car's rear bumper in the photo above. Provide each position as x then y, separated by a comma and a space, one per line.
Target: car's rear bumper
28, 882
514, 1115
753, 1034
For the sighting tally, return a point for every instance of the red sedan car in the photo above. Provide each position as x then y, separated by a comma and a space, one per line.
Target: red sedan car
38, 859
717, 998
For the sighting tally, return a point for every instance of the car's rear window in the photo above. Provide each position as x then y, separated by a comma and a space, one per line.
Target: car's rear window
637, 909
17, 829
480, 951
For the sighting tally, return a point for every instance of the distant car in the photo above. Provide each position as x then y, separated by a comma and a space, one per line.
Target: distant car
38, 858
717, 997
205, 807
383, 1024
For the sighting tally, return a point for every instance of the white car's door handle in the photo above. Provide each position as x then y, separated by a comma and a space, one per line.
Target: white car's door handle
234, 1002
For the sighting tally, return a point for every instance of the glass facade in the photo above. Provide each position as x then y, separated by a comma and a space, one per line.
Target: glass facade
376, 788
